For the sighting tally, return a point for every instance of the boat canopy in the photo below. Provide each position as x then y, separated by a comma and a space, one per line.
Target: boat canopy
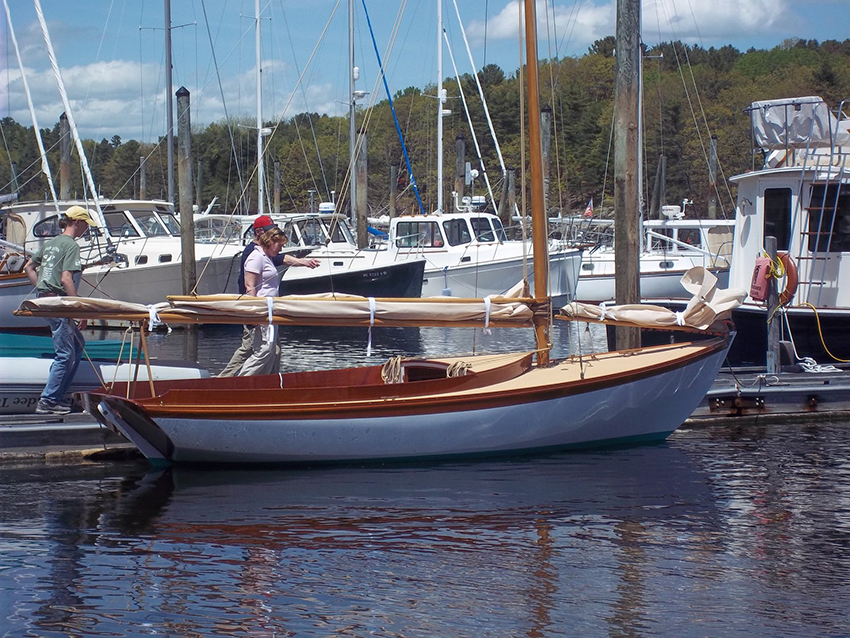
803, 122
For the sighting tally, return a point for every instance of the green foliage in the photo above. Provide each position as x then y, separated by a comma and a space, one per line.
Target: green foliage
689, 93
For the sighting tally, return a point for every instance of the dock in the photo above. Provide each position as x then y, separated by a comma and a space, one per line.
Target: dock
741, 396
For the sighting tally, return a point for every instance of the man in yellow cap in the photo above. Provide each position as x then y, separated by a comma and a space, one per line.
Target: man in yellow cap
51, 270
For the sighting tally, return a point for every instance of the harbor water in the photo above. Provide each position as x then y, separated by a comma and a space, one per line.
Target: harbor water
723, 530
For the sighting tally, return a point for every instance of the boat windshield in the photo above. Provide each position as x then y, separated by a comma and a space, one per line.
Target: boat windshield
153, 226
339, 231
500, 230
457, 232
419, 235
481, 228
171, 223
312, 232
49, 227
118, 224
211, 230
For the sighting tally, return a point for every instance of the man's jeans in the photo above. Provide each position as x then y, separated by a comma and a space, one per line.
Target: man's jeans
68, 344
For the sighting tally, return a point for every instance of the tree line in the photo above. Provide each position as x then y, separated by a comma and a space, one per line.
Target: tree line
689, 94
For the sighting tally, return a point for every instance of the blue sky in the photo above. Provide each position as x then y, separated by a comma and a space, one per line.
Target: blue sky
111, 52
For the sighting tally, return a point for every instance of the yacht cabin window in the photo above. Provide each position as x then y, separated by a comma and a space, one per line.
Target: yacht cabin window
481, 228
149, 223
457, 232
418, 235
312, 232
828, 213
338, 230
690, 236
119, 225
49, 227
777, 216
171, 223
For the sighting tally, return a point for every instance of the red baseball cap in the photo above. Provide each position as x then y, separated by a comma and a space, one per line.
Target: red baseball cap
263, 222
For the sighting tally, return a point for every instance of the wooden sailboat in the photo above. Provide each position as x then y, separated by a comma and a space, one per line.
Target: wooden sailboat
420, 408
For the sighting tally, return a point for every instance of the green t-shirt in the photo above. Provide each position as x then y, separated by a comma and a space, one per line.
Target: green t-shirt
57, 255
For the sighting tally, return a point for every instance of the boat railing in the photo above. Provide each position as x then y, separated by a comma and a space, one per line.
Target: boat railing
714, 257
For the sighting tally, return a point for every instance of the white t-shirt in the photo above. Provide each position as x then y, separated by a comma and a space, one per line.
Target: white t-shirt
261, 264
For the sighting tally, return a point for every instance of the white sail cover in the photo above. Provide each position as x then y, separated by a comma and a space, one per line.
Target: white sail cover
324, 309
708, 305
802, 122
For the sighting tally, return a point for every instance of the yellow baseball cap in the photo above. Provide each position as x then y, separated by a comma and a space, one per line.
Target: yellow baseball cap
78, 212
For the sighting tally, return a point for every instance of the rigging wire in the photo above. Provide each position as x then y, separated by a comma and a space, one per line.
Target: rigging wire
312, 127
392, 107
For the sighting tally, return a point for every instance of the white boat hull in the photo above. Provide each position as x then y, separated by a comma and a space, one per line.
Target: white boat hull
653, 285
496, 277
13, 290
22, 379
152, 284
553, 416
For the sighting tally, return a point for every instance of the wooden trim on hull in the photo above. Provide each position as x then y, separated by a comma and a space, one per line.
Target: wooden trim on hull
638, 410
511, 384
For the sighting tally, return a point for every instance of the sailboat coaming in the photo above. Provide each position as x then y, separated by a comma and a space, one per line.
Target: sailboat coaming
516, 408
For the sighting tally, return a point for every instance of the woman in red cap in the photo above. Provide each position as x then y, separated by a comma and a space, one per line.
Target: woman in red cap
259, 259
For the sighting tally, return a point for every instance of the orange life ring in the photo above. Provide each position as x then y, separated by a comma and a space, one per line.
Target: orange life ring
790, 278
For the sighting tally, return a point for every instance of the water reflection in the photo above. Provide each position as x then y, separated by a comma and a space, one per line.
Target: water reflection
724, 530
323, 347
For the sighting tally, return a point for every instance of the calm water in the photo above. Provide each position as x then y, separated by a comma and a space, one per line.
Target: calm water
718, 532
721, 531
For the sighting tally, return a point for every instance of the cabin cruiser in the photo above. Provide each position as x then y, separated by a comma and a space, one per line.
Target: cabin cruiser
470, 255
671, 247
325, 236
799, 193
134, 255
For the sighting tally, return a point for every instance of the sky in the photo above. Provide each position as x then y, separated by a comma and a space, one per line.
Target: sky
111, 52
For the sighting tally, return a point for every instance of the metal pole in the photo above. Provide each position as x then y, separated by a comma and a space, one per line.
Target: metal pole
772, 359
277, 186
261, 196
712, 179
439, 106
352, 111
169, 92
546, 140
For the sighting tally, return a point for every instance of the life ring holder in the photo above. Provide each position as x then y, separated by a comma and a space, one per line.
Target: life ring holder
791, 277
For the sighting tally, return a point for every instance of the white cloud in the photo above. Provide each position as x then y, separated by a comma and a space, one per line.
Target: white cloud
717, 21
576, 26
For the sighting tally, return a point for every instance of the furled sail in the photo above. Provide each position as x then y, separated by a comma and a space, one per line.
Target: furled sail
324, 309
708, 306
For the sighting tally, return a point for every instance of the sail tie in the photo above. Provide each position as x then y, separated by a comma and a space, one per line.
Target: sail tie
605, 315
487, 315
371, 323
270, 304
680, 319
153, 317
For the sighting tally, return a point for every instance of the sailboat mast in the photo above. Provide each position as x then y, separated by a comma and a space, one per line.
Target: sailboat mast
539, 221
351, 115
260, 168
439, 106
169, 102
